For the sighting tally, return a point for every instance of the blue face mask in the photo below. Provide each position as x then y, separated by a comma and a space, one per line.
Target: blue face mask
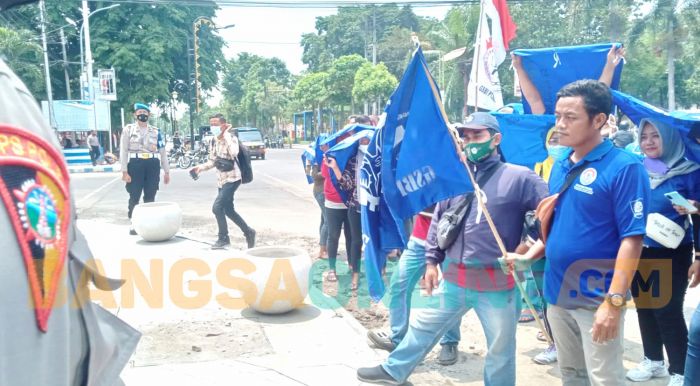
215, 130
558, 152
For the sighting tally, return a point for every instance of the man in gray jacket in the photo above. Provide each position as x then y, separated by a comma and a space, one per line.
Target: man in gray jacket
472, 275
50, 331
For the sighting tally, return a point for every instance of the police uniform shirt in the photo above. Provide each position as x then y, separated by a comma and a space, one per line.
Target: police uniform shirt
80, 346
606, 203
137, 140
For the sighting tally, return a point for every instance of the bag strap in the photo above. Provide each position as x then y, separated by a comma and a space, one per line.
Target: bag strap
481, 181
572, 176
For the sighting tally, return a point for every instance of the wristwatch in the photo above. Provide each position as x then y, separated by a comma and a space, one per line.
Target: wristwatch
616, 300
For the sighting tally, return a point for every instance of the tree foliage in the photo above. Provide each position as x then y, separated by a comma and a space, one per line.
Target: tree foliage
24, 56
373, 82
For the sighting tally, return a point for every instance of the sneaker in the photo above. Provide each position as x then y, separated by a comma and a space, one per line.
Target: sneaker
448, 355
221, 244
646, 370
132, 231
546, 357
250, 238
676, 380
381, 340
376, 375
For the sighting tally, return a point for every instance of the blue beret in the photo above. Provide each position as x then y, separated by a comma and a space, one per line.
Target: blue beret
141, 106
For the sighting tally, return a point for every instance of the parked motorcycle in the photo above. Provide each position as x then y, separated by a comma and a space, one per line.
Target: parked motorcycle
179, 157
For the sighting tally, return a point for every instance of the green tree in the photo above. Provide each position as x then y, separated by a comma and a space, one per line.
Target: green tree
24, 56
373, 82
341, 79
311, 92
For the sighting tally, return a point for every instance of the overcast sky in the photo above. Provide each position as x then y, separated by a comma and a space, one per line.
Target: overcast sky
277, 32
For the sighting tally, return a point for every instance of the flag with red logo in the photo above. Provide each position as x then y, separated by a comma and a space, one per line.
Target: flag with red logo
496, 30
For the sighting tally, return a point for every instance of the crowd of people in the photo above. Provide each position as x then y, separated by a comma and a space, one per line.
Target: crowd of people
588, 207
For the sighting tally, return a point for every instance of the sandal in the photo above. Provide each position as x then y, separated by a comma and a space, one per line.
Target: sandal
331, 276
526, 317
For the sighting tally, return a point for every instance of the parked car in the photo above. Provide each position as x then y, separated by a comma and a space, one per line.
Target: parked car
252, 138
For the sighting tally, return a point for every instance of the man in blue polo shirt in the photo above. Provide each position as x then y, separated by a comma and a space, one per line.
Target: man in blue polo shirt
595, 241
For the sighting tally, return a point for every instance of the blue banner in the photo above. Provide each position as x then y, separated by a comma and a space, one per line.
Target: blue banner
380, 231
332, 139
318, 153
550, 69
524, 137
637, 109
421, 162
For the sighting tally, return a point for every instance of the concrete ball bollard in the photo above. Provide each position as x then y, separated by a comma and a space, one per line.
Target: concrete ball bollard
157, 221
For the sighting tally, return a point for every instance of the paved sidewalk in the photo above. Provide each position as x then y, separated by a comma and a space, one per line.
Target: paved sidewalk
94, 169
319, 344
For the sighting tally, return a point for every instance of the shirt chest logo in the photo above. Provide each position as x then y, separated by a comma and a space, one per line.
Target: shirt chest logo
588, 176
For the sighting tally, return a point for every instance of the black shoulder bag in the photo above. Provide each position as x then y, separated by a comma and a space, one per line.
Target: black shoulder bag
451, 222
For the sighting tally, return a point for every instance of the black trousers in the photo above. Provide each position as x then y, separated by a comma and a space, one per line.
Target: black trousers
94, 154
223, 207
665, 326
337, 220
145, 175
355, 252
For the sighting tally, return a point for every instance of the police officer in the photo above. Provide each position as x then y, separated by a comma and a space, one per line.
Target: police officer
142, 155
45, 339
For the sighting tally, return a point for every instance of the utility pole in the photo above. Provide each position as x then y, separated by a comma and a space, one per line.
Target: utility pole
47, 73
89, 61
65, 64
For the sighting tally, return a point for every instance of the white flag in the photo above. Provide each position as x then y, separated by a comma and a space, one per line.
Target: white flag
489, 52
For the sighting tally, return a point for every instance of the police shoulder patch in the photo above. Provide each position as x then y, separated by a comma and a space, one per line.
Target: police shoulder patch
34, 190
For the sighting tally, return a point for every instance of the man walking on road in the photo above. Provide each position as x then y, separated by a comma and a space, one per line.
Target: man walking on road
142, 156
223, 155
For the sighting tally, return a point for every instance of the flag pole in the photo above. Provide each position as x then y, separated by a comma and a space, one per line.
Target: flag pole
478, 54
487, 215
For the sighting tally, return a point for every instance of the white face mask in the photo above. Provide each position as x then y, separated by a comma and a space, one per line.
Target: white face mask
362, 148
216, 130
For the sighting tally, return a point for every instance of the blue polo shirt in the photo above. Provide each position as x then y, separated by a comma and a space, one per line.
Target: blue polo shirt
607, 202
688, 185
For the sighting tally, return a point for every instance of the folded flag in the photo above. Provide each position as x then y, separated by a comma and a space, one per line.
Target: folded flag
421, 162
550, 69
637, 109
332, 139
318, 153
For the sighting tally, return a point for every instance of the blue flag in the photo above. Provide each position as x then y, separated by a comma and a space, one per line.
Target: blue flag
421, 162
342, 152
310, 155
524, 137
318, 153
332, 139
550, 69
380, 231
636, 110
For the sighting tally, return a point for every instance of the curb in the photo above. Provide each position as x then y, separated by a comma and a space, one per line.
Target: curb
94, 169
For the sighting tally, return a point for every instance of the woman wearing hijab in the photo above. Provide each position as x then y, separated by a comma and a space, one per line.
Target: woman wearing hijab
664, 326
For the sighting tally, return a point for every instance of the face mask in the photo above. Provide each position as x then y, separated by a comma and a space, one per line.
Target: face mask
216, 130
362, 148
557, 152
655, 165
142, 117
477, 152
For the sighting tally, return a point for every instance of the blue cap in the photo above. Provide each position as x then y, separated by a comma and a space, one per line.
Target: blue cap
141, 106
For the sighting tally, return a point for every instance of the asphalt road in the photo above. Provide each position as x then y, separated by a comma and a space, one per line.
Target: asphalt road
278, 203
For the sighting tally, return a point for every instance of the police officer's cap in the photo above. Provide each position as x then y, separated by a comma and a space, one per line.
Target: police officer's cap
141, 106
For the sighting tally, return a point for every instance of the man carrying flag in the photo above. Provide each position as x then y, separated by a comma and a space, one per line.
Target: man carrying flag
473, 278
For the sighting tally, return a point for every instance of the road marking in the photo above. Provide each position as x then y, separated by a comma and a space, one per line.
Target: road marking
293, 189
83, 204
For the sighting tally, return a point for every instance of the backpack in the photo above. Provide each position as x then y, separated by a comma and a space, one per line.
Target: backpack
243, 161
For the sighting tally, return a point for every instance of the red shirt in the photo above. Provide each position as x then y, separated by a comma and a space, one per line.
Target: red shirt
328, 189
421, 227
